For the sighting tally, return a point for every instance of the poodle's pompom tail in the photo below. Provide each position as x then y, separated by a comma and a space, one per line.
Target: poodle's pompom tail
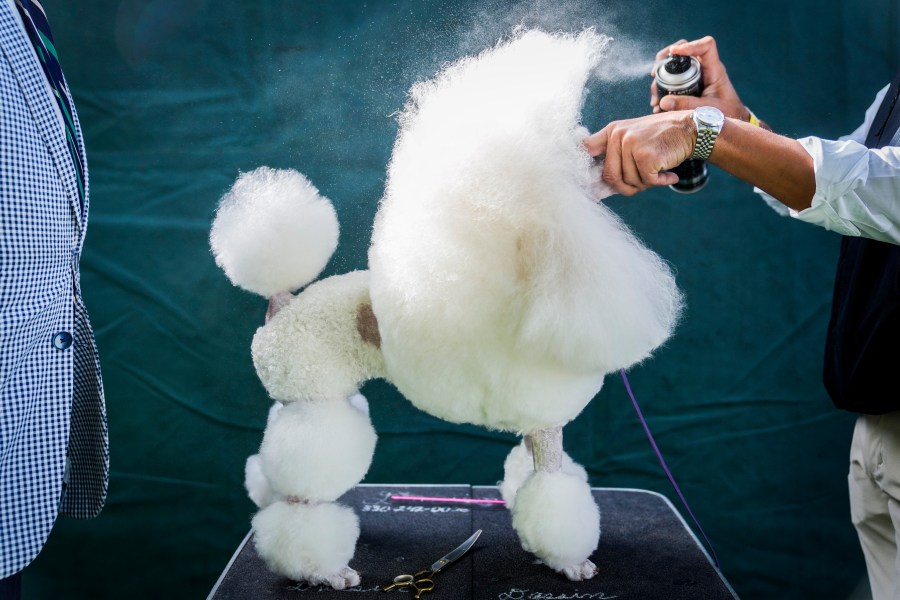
273, 232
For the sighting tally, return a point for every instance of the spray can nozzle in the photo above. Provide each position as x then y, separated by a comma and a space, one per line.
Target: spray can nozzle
677, 63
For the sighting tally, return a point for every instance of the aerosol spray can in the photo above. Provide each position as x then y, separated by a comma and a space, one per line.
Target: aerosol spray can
680, 75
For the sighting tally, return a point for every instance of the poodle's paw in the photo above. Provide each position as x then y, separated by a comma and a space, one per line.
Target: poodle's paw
581, 571
343, 579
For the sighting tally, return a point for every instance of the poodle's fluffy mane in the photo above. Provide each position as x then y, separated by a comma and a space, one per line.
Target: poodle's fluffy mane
503, 292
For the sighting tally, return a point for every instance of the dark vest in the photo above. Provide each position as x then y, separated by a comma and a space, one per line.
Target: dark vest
862, 348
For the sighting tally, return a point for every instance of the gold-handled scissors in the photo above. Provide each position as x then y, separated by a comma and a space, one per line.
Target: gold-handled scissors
423, 581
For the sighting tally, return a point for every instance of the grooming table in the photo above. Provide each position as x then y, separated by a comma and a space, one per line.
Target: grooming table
646, 552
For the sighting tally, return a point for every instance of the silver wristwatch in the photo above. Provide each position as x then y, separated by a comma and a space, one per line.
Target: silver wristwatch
709, 121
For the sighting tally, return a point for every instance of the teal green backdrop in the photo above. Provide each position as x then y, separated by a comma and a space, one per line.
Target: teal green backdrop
177, 97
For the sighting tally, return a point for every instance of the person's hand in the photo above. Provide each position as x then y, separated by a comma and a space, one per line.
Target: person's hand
717, 88
637, 152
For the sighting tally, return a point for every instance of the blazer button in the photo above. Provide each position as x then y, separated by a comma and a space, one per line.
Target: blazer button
62, 340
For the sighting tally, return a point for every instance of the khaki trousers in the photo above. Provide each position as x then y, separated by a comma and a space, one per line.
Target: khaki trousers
874, 482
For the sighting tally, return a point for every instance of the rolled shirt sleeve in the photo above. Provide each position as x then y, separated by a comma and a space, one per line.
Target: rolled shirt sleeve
857, 188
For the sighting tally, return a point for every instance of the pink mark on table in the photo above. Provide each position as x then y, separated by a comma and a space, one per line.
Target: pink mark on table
441, 499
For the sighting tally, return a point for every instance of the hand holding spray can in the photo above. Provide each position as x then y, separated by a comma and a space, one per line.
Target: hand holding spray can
680, 75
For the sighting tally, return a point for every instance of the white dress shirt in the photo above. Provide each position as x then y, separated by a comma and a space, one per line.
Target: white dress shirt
857, 188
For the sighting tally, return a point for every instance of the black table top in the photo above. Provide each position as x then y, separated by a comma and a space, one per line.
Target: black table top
646, 552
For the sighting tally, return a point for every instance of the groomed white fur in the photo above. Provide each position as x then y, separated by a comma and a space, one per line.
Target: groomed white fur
273, 232
256, 484
311, 349
519, 465
360, 403
311, 543
317, 450
504, 294
557, 519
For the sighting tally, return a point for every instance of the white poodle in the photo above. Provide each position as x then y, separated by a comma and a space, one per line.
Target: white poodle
499, 293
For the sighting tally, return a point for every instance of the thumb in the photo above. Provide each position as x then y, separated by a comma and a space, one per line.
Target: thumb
673, 102
665, 178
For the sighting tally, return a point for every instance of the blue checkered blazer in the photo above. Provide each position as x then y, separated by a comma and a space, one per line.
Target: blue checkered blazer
54, 452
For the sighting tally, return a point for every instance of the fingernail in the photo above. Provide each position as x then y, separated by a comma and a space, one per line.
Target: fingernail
667, 104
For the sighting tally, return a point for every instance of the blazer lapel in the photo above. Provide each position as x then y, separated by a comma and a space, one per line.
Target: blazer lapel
891, 125
32, 80
887, 119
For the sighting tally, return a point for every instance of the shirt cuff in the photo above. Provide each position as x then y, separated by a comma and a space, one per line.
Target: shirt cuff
841, 169
820, 213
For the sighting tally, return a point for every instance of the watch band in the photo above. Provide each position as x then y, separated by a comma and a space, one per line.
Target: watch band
709, 124
706, 139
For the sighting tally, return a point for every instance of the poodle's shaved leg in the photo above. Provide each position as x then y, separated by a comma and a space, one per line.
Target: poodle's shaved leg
546, 448
277, 302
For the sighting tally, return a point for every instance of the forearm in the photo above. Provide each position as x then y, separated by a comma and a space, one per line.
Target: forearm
778, 165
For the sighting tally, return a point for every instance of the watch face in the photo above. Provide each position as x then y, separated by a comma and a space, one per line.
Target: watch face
710, 115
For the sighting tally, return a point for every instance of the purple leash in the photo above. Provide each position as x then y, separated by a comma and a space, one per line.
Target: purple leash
665, 467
